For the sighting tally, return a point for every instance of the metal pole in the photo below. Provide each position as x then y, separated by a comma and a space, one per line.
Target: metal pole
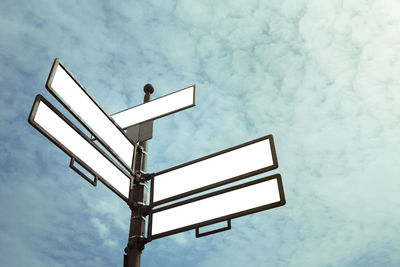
137, 201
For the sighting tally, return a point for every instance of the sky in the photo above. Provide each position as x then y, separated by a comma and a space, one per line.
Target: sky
323, 77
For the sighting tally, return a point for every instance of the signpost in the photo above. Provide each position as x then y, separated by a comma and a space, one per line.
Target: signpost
185, 197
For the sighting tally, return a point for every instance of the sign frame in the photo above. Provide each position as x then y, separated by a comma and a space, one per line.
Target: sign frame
222, 218
57, 62
220, 183
39, 98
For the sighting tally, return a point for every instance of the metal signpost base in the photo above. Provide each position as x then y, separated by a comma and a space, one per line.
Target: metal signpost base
137, 201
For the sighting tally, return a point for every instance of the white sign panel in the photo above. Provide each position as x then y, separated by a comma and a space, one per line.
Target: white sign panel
230, 203
71, 140
156, 108
220, 168
75, 98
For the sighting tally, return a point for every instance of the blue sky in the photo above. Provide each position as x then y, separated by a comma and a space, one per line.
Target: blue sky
322, 76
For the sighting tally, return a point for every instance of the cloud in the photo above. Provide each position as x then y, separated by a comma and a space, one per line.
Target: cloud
322, 77
101, 227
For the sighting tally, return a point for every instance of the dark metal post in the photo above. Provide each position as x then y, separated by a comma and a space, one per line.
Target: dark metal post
137, 201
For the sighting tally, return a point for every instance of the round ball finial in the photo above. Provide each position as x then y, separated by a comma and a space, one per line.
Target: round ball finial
148, 88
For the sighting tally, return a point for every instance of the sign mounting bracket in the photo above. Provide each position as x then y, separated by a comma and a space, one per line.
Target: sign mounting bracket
72, 166
228, 227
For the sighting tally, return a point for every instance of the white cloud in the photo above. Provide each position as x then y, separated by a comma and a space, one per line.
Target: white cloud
100, 227
323, 77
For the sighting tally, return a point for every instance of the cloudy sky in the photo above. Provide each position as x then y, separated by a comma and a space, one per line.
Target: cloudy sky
323, 77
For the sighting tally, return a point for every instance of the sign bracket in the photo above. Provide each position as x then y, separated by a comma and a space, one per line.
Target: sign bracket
228, 227
84, 176
141, 177
140, 132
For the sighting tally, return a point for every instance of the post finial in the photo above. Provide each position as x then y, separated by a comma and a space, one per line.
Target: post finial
148, 88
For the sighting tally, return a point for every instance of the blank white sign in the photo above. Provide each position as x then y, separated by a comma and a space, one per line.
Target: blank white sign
77, 100
238, 162
238, 201
60, 132
156, 108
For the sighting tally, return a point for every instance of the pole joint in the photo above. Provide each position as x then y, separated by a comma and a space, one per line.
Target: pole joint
136, 242
140, 208
141, 177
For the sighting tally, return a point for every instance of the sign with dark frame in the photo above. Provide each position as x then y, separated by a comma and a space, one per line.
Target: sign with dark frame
74, 97
266, 193
156, 108
177, 176
117, 173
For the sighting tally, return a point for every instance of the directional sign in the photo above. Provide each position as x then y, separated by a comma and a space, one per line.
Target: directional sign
156, 108
226, 166
223, 205
173, 206
55, 126
63, 85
